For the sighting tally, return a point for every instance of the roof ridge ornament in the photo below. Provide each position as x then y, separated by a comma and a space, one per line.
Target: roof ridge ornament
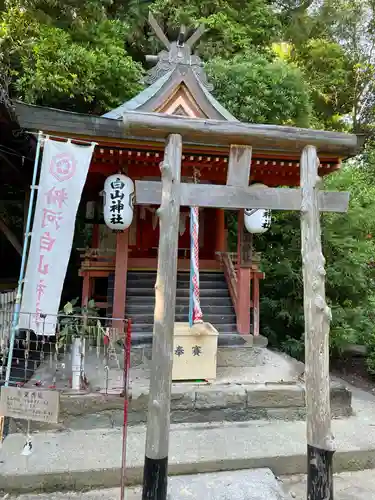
178, 54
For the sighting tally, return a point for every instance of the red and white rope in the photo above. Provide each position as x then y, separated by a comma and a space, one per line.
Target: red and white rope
197, 311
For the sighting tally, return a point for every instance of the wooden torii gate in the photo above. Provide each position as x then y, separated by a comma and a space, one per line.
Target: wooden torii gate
170, 193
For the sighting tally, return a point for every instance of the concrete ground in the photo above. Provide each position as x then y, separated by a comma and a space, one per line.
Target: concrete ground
348, 486
257, 484
244, 365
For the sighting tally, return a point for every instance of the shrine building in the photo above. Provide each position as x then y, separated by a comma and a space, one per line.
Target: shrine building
119, 269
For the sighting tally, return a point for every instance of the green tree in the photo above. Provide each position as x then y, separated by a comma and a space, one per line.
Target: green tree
333, 42
348, 247
234, 26
256, 89
331, 76
84, 67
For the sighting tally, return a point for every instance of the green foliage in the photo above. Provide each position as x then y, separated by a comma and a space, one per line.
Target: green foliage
334, 42
77, 321
330, 74
234, 26
257, 89
84, 68
348, 248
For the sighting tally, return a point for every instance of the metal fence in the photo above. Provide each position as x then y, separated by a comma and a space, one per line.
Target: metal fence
7, 301
84, 348
81, 343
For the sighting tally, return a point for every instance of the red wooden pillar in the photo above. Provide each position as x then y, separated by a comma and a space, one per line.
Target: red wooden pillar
243, 284
255, 304
256, 276
221, 242
86, 289
121, 269
95, 236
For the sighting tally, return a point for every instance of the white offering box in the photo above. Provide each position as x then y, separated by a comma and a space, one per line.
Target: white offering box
194, 352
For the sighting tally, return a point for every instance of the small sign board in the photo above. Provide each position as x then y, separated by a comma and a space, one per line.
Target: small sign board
30, 404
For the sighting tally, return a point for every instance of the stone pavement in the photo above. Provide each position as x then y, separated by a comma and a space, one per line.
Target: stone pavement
348, 486
239, 365
77, 460
257, 484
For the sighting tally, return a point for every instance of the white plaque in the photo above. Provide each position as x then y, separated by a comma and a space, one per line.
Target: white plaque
30, 404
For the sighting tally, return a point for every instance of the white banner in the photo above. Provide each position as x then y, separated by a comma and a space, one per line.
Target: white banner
63, 175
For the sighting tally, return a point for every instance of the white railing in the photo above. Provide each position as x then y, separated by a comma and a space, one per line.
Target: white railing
7, 302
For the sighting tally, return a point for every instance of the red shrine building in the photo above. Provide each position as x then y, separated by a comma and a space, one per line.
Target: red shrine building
119, 269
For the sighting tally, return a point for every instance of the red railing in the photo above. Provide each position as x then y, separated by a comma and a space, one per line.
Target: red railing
93, 258
243, 298
230, 273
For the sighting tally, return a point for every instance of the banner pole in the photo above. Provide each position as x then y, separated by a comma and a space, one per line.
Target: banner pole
17, 307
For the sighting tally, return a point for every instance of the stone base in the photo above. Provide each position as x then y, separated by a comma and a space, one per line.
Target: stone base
252, 383
255, 484
192, 404
260, 341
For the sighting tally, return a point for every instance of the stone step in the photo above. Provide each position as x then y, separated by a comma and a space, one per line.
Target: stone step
255, 484
90, 458
150, 301
147, 327
151, 276
181, 292
215, 319
199, 402
145, 309
261, 484
181, 284
239, 403
144, 339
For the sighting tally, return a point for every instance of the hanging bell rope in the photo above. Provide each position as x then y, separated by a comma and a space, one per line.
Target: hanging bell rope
195, 311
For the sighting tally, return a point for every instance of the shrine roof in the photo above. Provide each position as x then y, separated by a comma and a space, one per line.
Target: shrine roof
139, 100
165, 87
177, 83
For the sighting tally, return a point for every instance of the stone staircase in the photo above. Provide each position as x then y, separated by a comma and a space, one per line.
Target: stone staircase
216, 304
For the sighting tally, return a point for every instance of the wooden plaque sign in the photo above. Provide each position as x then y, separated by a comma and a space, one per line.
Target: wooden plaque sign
30, 404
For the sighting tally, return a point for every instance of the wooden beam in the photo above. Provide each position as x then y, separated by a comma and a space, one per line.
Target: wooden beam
158, 421
232, 198
320, 444
158, 31
10, 236
239, 166
195, 37
234, 132
112, 133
